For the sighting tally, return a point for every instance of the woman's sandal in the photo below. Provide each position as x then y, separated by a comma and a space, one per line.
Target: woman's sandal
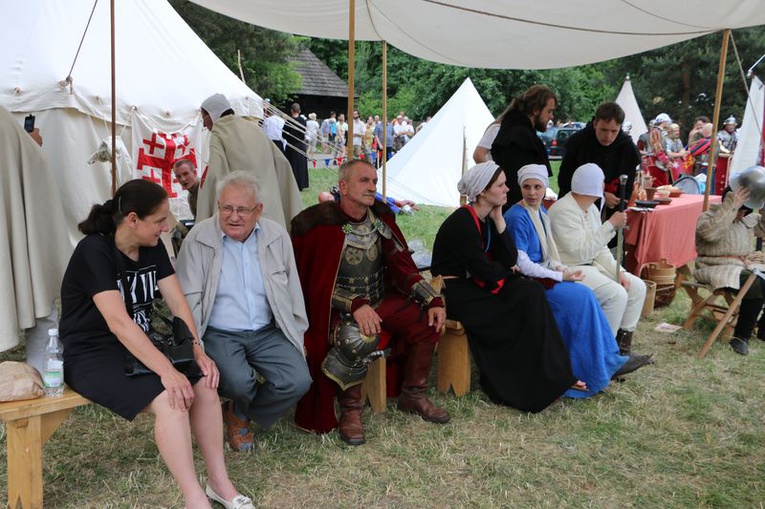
580, 386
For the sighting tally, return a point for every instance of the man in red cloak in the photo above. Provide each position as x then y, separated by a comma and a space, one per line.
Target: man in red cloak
359, 280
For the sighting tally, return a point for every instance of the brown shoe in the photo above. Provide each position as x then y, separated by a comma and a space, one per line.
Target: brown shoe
412, 398
238, 432
350, 427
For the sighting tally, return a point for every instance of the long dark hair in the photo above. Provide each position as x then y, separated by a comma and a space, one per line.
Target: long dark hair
140, 196
533, 100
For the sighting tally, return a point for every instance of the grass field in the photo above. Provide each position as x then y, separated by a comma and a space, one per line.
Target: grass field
682, 433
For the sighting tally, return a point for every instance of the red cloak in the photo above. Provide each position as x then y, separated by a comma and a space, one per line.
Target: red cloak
318, 240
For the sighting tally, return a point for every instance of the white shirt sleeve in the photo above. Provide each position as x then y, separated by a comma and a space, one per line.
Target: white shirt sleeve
531, 269
488, 136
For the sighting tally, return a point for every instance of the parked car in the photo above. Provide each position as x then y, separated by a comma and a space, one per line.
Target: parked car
547, 137
559, 139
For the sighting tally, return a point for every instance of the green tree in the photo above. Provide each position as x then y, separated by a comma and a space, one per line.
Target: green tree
681, 79
264, 52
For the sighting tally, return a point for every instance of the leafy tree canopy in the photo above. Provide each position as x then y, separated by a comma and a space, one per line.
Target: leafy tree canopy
264, 53
678, 79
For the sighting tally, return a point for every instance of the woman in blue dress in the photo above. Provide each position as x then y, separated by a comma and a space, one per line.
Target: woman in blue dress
594, 353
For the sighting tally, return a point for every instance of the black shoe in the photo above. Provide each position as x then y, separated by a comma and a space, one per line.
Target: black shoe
634, 363
739, 346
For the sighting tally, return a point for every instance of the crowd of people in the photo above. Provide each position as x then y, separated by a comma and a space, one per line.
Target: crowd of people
666, 157
328, 138
287, 307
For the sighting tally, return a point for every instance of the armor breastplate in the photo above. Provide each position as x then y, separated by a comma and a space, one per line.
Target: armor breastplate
361, 263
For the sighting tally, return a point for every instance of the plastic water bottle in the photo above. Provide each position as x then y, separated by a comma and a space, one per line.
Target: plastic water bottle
53, 367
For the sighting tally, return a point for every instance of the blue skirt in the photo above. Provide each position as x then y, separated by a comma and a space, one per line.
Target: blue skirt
585, 331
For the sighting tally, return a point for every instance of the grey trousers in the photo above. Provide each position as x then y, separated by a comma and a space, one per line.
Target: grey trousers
260, 370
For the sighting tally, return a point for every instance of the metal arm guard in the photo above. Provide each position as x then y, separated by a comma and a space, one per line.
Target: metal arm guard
423, 293
346, 362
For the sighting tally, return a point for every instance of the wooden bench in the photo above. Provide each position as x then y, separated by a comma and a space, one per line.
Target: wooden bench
29, 424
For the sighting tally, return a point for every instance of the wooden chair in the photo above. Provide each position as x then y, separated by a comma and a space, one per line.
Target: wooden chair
725, 313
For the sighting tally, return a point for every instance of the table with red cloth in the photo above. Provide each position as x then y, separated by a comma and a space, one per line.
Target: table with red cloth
668, 231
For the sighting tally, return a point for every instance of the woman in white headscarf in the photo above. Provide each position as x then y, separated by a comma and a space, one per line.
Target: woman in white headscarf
584, 327
511, 330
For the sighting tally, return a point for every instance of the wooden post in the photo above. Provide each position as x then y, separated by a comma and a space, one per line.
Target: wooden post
716, 117
384, 119
114, 106
351, 73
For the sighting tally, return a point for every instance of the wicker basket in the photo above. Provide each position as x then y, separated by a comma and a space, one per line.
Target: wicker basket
664, 275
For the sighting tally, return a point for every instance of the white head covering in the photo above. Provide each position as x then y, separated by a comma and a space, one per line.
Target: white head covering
533, 171
588, 180
215, 105
663, 117
476, 179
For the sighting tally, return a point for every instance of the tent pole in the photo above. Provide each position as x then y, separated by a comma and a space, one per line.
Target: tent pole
716, 117
384, 119
463, 198
351, 72
114, 107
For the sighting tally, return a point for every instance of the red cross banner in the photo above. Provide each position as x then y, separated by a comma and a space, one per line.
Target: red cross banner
154, 154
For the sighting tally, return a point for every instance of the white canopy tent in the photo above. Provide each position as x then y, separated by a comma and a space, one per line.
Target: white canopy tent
749, 151
626, 99
164, 72
428, 168
508, 34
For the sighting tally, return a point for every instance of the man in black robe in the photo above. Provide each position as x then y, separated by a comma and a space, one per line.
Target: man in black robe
602, 142
517, 143
294, 132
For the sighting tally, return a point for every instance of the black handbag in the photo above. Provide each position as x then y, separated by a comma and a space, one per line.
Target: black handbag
178, 346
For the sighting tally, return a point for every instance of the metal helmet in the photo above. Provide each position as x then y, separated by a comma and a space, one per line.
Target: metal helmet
753, 179
730, 120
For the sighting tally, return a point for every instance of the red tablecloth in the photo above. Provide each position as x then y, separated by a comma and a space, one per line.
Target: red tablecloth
669, 231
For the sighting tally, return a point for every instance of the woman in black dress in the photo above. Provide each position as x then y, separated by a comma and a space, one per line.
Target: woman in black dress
121, 255
511, 330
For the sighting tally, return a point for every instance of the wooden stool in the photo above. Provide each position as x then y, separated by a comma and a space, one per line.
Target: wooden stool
454, 359
374, 386
724, 314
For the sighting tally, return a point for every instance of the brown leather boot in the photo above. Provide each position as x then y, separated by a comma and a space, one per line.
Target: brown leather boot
416, 371
624, 340
351, 429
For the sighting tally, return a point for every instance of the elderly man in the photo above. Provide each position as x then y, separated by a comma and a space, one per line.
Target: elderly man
582, 242
239, 144
517, 143
237, 270
186, 173
359, 279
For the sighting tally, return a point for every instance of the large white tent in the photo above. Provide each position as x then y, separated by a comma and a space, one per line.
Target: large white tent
428, 168
626, 99
751, 144
163, 73
508, 34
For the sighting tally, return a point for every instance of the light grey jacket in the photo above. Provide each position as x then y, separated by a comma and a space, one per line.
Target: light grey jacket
723, 243
199, 264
